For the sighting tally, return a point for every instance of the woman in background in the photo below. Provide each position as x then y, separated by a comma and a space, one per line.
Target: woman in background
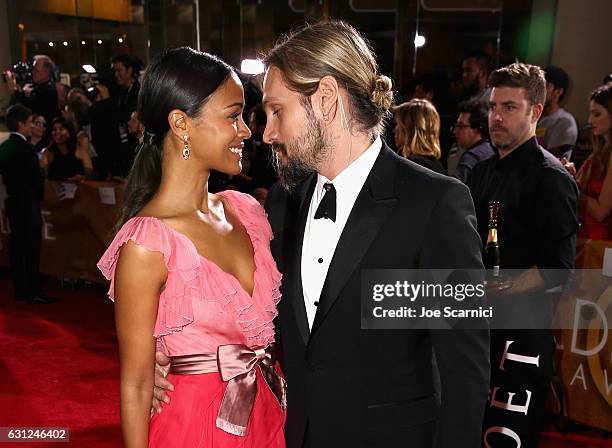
39, 128
417, 133
595, 177
64, 158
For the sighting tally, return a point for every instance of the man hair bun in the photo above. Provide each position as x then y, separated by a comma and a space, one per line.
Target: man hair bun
382, 94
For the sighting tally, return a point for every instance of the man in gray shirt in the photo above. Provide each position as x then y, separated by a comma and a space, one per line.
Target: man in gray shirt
557, 130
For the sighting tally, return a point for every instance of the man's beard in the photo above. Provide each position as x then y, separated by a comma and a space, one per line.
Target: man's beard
304, 154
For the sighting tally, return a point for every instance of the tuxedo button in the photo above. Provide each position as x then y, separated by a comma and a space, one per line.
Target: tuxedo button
320, 260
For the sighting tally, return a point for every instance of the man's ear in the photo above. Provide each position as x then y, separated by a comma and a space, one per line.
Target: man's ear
325, 98
177, 119
536, 112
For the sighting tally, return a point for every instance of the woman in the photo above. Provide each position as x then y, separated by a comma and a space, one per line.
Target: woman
77, 113
39, 127
63, 158
595, 175
192, 271
417, 133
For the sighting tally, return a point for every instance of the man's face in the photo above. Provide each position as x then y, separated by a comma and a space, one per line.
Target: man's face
25, 127
123, 74
470, 73
512, 118
39, 73
465, 135
297, 137
552, 94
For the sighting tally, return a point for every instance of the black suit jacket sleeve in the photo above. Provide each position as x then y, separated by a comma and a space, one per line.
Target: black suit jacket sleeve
452, 242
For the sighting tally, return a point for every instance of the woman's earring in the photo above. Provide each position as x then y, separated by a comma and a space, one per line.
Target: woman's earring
185, 147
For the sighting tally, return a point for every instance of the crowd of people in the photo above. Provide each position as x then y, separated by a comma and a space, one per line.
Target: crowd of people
195, 269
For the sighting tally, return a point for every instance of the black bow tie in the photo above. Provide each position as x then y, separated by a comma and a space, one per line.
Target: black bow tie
327, 207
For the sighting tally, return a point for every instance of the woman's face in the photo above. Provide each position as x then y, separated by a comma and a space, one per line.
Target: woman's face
39, 125
60, 134
216, 135
599, 119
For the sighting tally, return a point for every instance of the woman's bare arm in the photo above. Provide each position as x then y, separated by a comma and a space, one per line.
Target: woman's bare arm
139, 277
599, 208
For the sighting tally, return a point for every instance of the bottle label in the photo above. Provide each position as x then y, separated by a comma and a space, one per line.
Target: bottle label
495, 271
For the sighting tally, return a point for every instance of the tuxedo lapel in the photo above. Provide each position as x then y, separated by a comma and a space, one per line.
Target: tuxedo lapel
371, 208
293, 244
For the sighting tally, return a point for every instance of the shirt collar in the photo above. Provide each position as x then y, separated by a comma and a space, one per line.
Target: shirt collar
350, 180
20, 135
518, 156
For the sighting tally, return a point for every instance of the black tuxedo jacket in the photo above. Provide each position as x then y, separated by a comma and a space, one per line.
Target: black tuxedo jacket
21, 172
349, 387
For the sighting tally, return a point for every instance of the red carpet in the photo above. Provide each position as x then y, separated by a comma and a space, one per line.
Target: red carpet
59, 367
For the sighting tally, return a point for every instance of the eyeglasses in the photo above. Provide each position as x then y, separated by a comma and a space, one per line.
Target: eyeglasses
458, 126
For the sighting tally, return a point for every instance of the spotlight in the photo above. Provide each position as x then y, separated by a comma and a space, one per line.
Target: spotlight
419, 41
252, 66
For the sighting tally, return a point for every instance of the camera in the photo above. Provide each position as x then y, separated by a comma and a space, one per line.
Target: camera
22, 71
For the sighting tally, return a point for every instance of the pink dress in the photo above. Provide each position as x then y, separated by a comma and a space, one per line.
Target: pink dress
201, 308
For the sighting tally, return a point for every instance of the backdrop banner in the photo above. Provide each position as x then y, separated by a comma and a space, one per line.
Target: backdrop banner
78, 220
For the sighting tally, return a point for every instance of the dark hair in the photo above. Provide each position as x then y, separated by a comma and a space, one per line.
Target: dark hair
482, 60
124, 59
180, 78
72, 141
602, 148
478, 116
557, 77
524, 76
260, 114
16, 114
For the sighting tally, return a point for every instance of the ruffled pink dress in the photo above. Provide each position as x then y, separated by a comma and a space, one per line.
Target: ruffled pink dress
201, 308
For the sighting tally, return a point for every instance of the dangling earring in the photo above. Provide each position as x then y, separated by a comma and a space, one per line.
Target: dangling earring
185, 147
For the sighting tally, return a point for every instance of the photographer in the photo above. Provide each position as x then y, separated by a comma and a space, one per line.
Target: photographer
41, 94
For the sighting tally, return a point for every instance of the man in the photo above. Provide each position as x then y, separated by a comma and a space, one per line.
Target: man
557, 130
537, 233
41, 95
471, 135
24, 186
348, 386
474, 74
125, 101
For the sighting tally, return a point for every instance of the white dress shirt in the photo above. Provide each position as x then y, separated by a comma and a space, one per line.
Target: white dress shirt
321, 235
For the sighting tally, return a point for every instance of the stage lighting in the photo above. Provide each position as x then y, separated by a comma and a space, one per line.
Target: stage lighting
252, 66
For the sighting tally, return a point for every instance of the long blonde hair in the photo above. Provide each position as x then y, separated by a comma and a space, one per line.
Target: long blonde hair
335, 49
419, 128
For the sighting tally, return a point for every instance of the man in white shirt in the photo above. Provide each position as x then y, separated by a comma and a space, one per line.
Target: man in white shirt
351, 204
